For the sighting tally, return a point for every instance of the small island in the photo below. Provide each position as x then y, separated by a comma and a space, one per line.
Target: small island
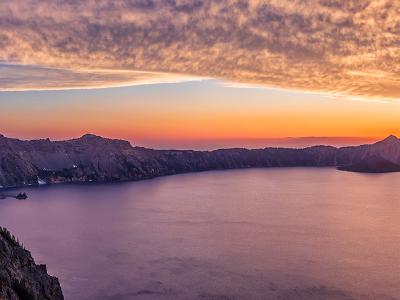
21, 196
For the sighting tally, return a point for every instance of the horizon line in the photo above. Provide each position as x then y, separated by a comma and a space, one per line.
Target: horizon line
239, 139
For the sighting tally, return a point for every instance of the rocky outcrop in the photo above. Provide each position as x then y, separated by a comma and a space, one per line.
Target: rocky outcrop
372, 164
20, 277
93, 158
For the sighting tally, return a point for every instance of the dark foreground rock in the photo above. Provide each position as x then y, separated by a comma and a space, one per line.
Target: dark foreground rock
20, 277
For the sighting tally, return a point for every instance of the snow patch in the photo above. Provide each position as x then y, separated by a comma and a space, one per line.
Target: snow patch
41, 181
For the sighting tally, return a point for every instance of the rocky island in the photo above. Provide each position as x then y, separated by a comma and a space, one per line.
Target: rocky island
92, 158
20, 277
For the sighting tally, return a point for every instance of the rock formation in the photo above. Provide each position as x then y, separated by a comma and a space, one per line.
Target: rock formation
20, 277
93, 158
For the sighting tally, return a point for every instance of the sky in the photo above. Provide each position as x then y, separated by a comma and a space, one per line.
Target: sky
202, 114
201, 74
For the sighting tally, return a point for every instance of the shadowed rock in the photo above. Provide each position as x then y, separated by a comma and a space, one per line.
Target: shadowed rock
98, 159
20, 277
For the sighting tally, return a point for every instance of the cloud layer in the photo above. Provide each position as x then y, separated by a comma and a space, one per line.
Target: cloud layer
350, 47
29, 77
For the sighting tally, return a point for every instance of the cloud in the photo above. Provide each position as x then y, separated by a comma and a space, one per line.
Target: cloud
27, 77
348, 47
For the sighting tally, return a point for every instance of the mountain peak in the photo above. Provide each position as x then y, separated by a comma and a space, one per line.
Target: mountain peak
391, 138
91, 136
389, 141
96, 139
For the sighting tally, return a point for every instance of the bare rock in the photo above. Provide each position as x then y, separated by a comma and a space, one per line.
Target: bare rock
20, 277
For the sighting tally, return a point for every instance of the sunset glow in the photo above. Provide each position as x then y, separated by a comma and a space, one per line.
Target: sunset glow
201, 74
199, 149
326, 46
200, 114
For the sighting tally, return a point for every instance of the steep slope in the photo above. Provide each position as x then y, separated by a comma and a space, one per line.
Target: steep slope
372, 164
380, 157
15, 169
388, 149
20, 277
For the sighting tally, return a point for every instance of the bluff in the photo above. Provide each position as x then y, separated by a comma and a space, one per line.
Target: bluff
98, 159
20, 277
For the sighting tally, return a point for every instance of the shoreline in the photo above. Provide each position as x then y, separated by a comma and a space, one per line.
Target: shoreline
46, 185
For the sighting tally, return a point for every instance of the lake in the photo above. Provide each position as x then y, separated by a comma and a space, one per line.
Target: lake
289, 233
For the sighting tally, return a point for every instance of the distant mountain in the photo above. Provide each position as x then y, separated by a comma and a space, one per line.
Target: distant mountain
94, 158
380, 157
372, 164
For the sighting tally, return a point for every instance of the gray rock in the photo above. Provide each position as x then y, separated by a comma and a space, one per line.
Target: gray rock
93, 158
20, 277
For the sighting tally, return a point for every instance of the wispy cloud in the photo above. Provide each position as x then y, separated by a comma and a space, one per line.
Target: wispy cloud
349, 47
28, 77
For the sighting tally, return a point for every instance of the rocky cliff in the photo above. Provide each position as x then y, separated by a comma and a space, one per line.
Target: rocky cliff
93, 158
20, 277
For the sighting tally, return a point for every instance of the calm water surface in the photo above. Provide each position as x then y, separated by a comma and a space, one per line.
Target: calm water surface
290, 233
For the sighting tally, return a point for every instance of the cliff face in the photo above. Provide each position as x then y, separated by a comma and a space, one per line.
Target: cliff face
20, 277
372, 164
93, 158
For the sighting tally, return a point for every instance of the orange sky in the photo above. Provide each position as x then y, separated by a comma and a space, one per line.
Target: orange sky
201, 74
189, 113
